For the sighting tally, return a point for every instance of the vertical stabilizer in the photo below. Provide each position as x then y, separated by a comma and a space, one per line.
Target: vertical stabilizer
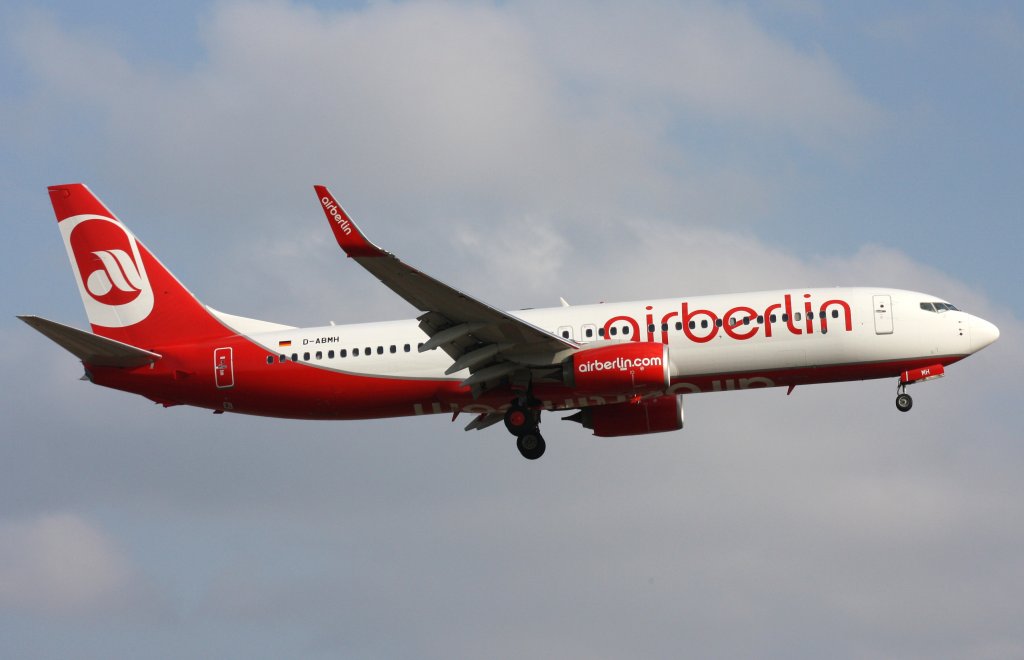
128, 294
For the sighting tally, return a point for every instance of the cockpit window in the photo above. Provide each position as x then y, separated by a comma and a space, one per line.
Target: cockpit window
938, 307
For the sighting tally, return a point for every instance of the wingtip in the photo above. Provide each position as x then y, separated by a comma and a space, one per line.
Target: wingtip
348, 235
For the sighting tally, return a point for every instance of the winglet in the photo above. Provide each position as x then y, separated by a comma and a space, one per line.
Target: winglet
348, 235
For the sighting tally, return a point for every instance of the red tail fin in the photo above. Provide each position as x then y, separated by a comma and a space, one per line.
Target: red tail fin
128, 294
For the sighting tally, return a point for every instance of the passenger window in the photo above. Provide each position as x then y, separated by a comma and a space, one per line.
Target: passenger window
760, 320
588, 333
746, 320
393, 349
650, 328
270, 359
355, 352
419, 346
785, 318
319, 355
343, 352
693, 325
600, 332
773, 318
704, 323
835, 313
295, 357
407, 348
330, 355
821, 314
282, 358
380, 350
664, 327
614, 331
718, 322
305, 356
796, 317
679, 325
368, 352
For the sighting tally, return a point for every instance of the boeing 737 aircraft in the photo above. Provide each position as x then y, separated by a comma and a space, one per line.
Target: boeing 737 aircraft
623, 367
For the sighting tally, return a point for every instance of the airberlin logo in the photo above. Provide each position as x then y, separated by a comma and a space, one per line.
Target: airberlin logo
113, 281
618, 364
336, 214
117, 271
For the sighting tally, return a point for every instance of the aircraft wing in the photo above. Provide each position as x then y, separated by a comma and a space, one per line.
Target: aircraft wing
490, 343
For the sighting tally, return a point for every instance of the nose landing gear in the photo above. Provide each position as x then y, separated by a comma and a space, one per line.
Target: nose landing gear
522, 422
904, 402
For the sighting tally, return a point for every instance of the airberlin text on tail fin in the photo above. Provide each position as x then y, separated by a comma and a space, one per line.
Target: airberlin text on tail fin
129, 295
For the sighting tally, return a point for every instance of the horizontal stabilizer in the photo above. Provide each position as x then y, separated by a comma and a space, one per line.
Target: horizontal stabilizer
90, 348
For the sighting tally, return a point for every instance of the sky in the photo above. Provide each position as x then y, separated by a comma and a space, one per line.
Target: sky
520, 151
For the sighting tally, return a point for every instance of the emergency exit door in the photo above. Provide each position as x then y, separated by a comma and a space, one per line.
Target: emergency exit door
223, 368
883, 314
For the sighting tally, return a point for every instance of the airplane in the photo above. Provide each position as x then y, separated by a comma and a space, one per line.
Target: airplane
624, 368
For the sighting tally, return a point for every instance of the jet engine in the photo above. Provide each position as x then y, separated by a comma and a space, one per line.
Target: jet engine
663, 413
618, 369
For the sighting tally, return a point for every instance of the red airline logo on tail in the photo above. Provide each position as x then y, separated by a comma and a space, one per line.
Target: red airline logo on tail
109, 268
111, 275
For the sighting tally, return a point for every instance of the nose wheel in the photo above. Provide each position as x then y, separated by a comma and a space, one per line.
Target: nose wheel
522, 422
904, 402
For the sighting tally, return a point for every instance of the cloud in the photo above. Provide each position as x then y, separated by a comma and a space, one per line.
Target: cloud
711, 60
61, 565
440, 100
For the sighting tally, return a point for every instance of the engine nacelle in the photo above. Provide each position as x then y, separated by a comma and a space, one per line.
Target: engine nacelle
619, 369
664, 413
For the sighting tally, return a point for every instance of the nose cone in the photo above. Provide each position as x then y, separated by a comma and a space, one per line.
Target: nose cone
983, 333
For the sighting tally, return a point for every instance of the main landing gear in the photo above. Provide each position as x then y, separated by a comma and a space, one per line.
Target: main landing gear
522, 422
903, 400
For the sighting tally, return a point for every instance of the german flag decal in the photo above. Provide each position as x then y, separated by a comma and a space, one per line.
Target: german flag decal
285, 343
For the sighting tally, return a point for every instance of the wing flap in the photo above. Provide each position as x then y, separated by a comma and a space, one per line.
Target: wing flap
89, 348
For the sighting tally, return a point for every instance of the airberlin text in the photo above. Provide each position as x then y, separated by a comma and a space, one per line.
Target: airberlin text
618, 364
741, 322
337, 215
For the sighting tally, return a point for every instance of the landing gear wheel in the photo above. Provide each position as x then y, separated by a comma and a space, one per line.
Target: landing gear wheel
904, 402
531, 445
519, 420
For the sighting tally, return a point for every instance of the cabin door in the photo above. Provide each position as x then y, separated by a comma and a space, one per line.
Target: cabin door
883, 314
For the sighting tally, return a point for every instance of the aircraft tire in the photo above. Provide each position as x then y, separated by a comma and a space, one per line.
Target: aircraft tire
904, 402
520, 420
531, 445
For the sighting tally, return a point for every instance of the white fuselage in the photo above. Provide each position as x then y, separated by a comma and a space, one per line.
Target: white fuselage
707, 335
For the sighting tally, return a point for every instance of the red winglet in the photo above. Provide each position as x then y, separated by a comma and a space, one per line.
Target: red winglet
345, 231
